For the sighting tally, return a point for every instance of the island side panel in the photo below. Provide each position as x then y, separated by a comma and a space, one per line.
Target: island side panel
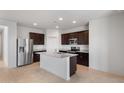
73, 65
57, 66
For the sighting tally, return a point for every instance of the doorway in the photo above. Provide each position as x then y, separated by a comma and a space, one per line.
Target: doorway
3, 46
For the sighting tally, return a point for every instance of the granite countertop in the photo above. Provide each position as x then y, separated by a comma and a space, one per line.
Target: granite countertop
57, 54
82, 51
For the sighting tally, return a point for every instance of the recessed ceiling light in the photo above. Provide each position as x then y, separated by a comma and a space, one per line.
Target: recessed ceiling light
35, 24
60, 18
73, 22
57, 26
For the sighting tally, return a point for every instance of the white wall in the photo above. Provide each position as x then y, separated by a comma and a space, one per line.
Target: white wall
52, 40
23, 32
6, 48
11, 32
106, 44
77, 29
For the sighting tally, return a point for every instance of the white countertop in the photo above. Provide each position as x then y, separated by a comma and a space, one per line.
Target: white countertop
57, 54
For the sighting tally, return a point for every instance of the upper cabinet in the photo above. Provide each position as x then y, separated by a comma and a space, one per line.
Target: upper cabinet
72, 35
65, 39
38, 38
82, 37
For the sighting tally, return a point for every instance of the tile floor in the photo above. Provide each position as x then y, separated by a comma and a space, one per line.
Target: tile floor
34, 74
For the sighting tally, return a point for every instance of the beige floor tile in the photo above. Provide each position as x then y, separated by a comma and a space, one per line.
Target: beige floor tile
34, 74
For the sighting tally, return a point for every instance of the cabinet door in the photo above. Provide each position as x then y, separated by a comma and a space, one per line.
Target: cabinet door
37, 38
71, 35
80, 59
42, 38
76, 35
86, 37
65, 39
36, 57
83, 59
80, 38
83, 37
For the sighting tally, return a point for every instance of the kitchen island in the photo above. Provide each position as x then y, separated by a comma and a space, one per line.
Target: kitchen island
60, 64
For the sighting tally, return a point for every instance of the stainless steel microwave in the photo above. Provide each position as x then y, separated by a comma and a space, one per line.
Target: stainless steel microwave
73, 41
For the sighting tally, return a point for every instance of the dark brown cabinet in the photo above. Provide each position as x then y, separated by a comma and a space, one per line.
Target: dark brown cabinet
82, 37
38, 39
83, 59
36, 57
73, 65
65, 39
72, 35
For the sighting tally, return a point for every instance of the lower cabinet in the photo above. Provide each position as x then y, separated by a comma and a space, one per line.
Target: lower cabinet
36, 57
83, 59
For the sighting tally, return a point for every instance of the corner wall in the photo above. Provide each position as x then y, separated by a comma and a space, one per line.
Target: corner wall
106, 44
12, 35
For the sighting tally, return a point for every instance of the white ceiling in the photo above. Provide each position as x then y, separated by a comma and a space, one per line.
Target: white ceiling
47, 18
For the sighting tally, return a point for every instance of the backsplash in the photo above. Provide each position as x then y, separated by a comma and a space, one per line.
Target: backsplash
38, 47
68, 47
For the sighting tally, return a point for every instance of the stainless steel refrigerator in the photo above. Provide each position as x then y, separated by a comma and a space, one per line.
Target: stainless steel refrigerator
24, 51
